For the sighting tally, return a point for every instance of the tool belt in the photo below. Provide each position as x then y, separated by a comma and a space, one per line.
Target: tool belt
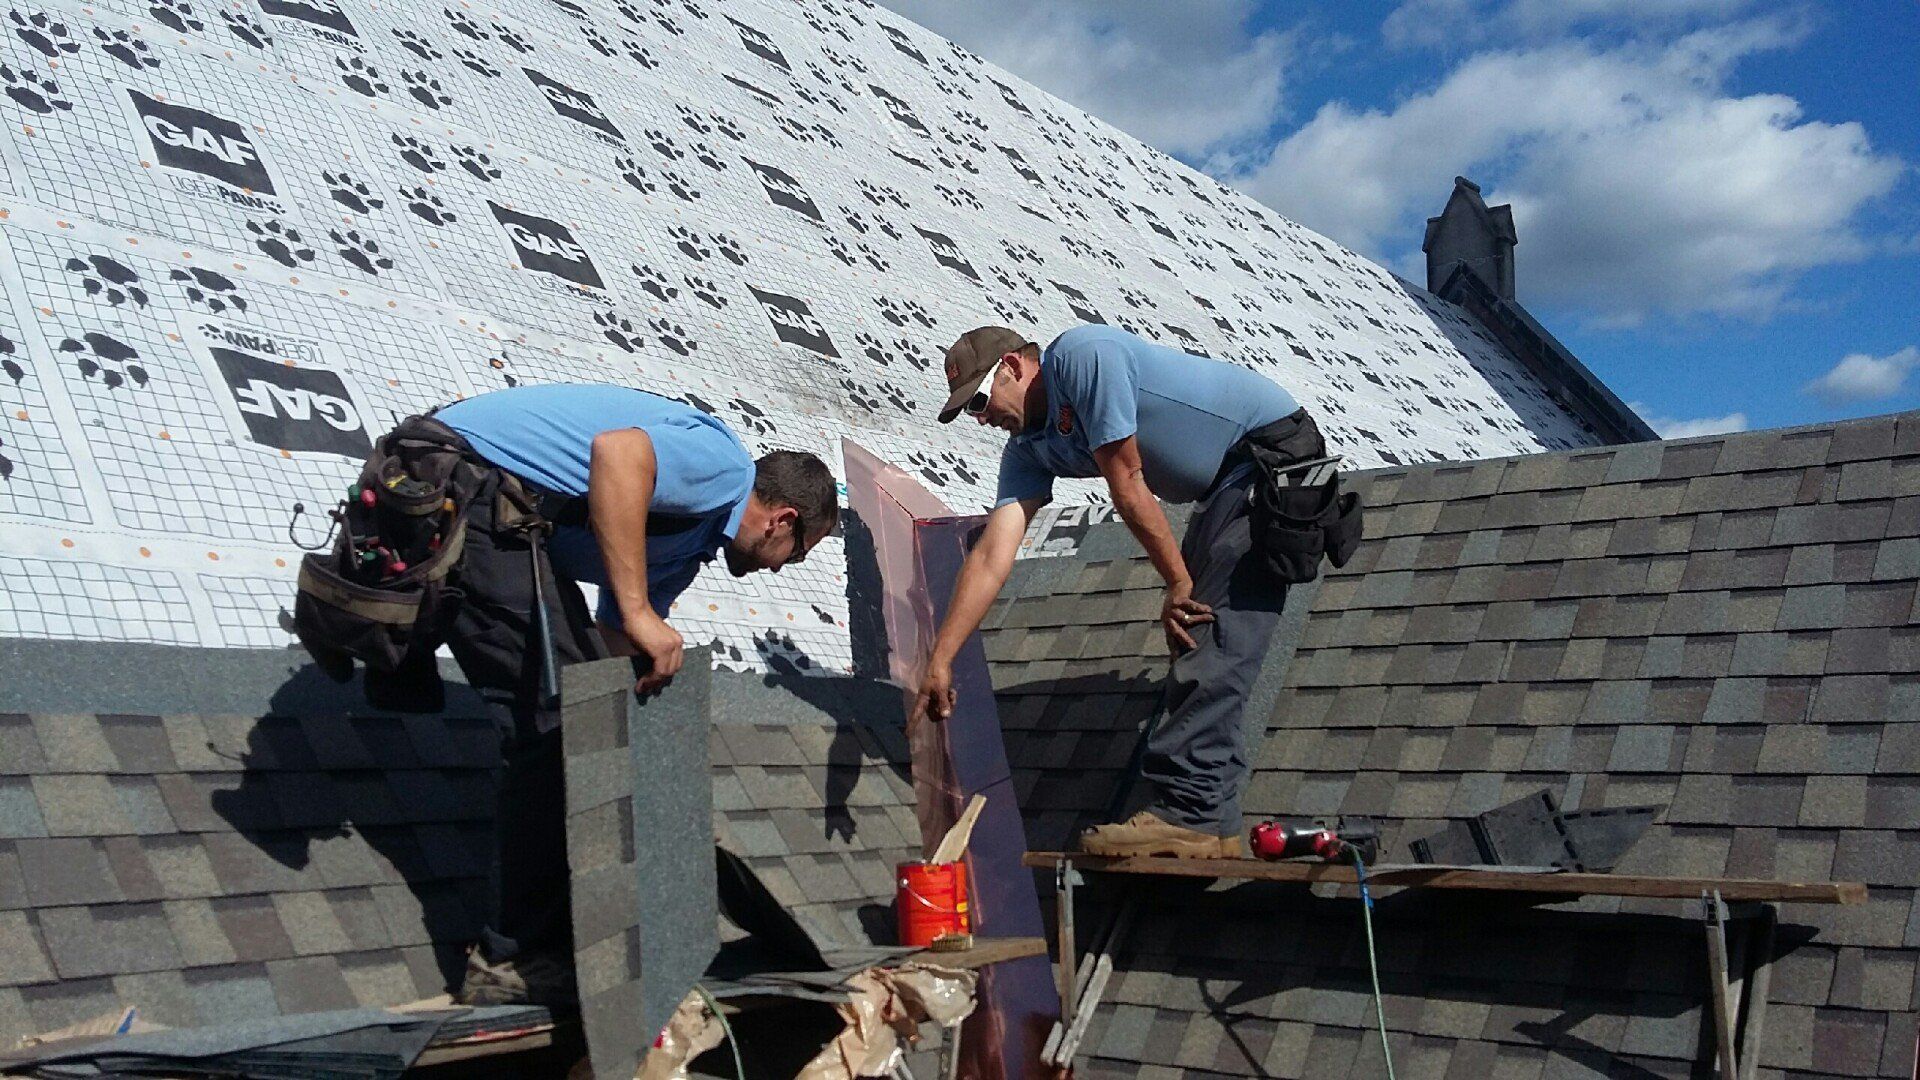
381, 595
1299, 512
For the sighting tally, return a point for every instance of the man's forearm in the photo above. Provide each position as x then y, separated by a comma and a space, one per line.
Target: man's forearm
1148, 523
979, 584
621, 482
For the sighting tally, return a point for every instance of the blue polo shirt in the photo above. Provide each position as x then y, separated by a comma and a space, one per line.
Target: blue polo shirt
1104, 384
544, 434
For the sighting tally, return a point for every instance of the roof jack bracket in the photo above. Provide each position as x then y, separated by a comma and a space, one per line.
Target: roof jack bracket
1739, 969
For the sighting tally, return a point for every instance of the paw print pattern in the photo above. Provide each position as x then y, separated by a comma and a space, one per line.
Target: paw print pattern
107, 358
690, 243
881, 194
427, 206
417, 45
177, 15
839, 249
942, 468
360, 76
281, 243
511, 39
424, 88
126, 48
214, 292
729, 248
725, 126
673, 336
705, 290
699, 122
958, 197
639, 54
902, 312
679, 185
751, 417
473, 60
705, 155
30, 90
476, 162
654, 283
361, 252
618, 330
419, 155
244, 25
860, 395
598, 41
104, 277
663, 144
635, 176
461, 23
887, 353
48, 35
351, 193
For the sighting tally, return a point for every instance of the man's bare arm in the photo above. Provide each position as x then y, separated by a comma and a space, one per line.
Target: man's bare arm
1119, 463
981, 577
620, 481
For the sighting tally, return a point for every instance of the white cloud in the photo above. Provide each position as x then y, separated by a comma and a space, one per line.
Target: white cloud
1451, 23
1863, 377
1186, 77
1674, 428
1637, 186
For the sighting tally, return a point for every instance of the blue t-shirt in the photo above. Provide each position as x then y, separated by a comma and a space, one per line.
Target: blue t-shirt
1104, 384
544, 434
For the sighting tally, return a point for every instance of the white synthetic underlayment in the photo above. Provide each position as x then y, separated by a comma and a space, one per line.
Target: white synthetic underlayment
239, 239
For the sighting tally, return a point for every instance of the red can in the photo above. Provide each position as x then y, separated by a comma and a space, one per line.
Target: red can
931, 901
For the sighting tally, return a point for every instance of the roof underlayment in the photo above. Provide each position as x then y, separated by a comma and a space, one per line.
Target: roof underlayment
239, 241
1722, 627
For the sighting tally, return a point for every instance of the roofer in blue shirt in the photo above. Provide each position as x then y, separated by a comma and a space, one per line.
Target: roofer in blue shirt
1156, 424
641, 492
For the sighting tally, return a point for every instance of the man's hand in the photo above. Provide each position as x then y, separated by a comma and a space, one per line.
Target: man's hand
662, 646
1179, 611
936, 697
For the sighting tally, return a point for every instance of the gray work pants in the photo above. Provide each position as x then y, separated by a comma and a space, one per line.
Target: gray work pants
1196, 757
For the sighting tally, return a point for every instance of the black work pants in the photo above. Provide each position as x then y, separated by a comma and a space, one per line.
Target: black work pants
495, 640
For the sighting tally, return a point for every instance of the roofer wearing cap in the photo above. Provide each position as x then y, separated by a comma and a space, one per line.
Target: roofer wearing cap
1156, 424
557, 485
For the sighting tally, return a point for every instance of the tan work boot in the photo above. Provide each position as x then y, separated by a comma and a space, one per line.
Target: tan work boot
535, 978
1147, 834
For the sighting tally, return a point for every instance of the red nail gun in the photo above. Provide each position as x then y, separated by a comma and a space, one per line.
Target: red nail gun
1274, 840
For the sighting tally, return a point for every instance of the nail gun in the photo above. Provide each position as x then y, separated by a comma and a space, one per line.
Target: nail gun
1274, 840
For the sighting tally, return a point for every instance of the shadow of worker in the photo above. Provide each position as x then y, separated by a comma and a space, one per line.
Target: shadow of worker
389, 817
867, 714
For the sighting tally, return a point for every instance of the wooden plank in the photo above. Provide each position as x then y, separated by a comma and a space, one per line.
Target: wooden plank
491, 1045
1430, 877
985, 951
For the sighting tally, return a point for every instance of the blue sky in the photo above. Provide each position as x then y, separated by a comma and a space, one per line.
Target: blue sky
1718, 201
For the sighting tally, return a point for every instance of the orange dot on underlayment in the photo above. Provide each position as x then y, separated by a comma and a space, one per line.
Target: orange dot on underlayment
213, 555
186, 254
713, 607
146, 553
164, 435
280, 563
286, 454
66, 542
46, 311
28, 128
393, 303
293, 279
343, 292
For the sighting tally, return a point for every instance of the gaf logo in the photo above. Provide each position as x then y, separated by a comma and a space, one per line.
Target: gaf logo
199, 142
322, 13
903, 43
547, 246
899, 109
793, 322
293, 408
1077, 300
1020, 166
784, 190
946, 252
1011, 98
575, 105
760, 45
